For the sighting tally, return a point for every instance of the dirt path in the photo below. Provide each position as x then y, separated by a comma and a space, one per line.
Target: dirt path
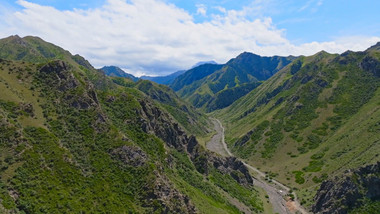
276, 191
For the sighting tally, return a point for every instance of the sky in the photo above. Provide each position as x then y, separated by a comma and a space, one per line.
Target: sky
158, 37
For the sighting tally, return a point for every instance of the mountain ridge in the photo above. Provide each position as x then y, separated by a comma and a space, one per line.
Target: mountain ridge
165, 80
115, 71
218, 87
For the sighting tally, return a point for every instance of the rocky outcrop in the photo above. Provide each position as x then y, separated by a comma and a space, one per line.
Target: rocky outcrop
159, 123
130, 155
234, 167
243, 140
371, 65
344, 193
154, 121
168, 197
59, 74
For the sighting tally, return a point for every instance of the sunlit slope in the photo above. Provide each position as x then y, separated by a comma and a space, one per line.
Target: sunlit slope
315, 118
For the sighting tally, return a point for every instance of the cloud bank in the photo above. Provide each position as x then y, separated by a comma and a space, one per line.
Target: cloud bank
155, 38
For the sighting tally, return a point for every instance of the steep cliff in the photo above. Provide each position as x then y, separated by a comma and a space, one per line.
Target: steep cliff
356, 189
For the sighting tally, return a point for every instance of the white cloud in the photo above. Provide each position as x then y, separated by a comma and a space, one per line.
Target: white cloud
313, 4
154, 37
201, 9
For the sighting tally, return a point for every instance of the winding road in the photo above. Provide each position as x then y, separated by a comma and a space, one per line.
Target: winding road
275, 190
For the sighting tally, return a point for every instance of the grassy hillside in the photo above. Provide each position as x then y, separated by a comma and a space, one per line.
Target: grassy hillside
312, 120
72, 141
218, 88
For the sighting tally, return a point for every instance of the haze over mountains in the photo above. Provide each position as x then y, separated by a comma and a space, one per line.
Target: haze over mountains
76, 140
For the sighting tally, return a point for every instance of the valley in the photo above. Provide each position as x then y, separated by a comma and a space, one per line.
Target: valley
253, 135
277, 192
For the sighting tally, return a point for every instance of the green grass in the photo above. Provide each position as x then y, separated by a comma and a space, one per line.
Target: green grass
370, 207
246, 196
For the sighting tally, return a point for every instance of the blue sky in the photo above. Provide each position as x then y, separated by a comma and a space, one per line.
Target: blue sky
174, 34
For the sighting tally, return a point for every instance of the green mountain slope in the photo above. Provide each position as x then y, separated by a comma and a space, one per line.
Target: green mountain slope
193, 75
312, 120
72, 141
34, 49
219, 87
114, 71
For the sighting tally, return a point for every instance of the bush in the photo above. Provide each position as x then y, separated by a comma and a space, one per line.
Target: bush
299, 177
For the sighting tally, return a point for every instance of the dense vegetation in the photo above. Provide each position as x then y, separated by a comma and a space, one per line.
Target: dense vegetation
73, 140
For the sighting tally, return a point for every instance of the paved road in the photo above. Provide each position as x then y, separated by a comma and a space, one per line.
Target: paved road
276, 191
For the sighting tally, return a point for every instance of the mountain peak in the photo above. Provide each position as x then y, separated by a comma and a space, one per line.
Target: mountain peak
375, 47
245, 54
16, 39
203, 62
115, 71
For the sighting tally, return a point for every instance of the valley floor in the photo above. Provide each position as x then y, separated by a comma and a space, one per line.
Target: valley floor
276, 191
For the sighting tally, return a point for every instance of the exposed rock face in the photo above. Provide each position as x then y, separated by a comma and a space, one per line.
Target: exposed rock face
154, 121
344, 193
129, 155
63, 79
59, 75
245, 138
170, 198
371, 65
234, 167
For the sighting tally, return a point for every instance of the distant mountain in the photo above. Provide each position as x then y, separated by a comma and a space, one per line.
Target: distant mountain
193, 75
204, 62
214, 87
114, 71
165, 80
168, 79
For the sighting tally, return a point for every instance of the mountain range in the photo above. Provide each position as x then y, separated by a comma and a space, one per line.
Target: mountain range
74, 140
165, 80
77, 139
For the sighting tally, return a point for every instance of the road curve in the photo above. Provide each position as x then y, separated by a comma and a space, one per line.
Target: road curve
276, 191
